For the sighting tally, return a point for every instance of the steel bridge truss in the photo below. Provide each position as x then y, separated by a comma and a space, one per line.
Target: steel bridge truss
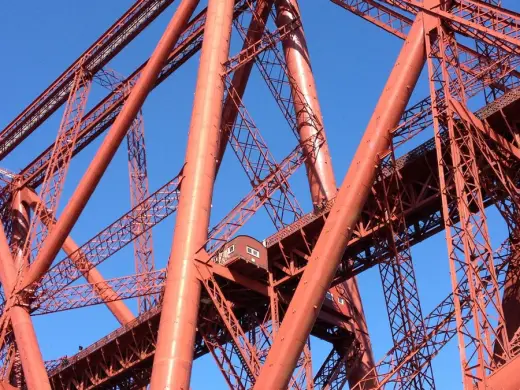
257, 325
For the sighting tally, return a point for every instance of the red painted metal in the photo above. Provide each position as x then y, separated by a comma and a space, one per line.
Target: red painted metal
131, 23
338, 228
21, 224
91, 274
416, 197
138, 172
176, 335
109, 146
241, 75
319, 166
398, 277
398, 24
256, 317
97, 120
59, 161
469, 246
20, 320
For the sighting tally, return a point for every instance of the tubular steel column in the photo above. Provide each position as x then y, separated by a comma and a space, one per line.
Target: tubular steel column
319, 273
176, 335
113, 139
26, 341
319, 167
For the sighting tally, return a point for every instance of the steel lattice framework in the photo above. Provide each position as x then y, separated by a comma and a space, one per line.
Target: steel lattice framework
257, 322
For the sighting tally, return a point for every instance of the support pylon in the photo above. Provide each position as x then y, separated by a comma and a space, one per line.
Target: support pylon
319, 167
17, 309
176, 335
138, 172
332, 242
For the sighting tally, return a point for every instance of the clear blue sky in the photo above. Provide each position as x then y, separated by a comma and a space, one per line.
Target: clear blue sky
351, 60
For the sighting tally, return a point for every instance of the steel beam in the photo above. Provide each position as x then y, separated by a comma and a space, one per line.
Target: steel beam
138, 174
241, 76
108, 45
398, 276
511, 297
108, 148
104, 291
337, 231
25, 336
177, 328
21, 224
319, 167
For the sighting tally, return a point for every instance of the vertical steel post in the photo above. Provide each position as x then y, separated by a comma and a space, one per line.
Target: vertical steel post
177, 328
113, 139
319, 167
403, 305
25, 336
319, 273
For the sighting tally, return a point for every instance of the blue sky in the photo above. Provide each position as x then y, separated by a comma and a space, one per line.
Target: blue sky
351, 60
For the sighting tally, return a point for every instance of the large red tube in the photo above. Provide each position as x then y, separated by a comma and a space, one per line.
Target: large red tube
319, 166
118, 308
31, 358
333, 240
177, 328
113, 139
504, 378
511, 298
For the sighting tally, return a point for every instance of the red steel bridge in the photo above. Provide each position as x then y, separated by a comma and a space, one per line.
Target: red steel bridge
255, 315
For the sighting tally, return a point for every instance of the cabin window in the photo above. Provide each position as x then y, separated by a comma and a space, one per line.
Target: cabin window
341, 301
252, 251
329, 295
231, 249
